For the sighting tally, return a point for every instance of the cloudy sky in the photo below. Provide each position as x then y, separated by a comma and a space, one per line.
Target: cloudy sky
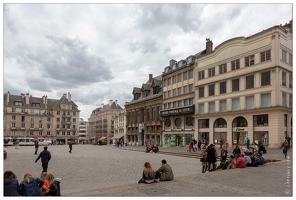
100, 52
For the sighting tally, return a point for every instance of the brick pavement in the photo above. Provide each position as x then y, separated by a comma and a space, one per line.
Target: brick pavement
110, 171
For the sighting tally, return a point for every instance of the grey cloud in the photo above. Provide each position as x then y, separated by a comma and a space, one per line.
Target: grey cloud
147, 45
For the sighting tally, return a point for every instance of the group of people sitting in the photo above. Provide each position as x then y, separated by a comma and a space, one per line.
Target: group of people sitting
47, 185
164, 173
209, 158
152, 149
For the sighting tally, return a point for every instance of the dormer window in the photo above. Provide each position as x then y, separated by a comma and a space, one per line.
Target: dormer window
190, 60
36, 105
18, 103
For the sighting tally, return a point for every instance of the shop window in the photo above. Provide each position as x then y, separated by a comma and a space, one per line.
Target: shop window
260, 120
220, 123
218, 136
239, 138
203, 137
261, 136
240, 122
203, 123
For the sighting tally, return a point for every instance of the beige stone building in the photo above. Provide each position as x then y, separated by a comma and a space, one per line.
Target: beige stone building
120, 126
83, 130
142, 114
178, 102
243, 88
101, 121
27, 118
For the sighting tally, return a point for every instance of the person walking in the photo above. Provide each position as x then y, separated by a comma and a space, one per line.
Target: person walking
211, 157
45, 158
165, 172
286, 147
36, 143
199, 145
221, 143
70, 147
17, 143
248, 143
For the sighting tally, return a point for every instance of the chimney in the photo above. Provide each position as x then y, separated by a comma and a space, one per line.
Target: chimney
116, 103
22, 95
7, 98
110, 102
69, 97
65, 95
209, 46
150, 78
102, 105
43, 99
27, 98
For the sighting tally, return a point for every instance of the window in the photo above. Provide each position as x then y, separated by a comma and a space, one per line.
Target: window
211, 107
265, 56
174, 79
174, 92
284, 56
222, 105
285, 120
222, 69
235, 104
58, 119
283, 78
290, 101
260, 120
13, 117
185, 89
180, 103
164, 95
190, 87
32, 126
189, 121
220, 123
249, 60
190, 74
186, 102
40, 125
235, 85
32, 119
48, 126
201, 75
48, 119
203, 123
12, 125
290, 59
201, 92
179, 91
211, 90
235, 65
178, 122
250, 102
240, 122
58, 112
201, 108
184, 76
13, 110
290, 80
222, 87
265, 78
165, 82
167, 123
169, 81
179, 77
265, 100
190, 101
250, 82
18, 103
175, 104
284, 99
211, 71
169, 93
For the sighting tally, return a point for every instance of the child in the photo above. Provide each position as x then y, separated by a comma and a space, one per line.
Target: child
45, 186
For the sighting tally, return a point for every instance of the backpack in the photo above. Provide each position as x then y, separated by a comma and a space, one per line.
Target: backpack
264, 150
286, 146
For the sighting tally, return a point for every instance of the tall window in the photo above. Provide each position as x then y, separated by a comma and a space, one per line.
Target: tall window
284, 78
211, 107
284, 56
186, 102
184, 76
235, 65
179, 77
203, 123
222, 87
222, 105
290, 101
265, 56
235, 104
211, 90
190, 87
201, 92
265, 78
201, 75
179, 91
169, 81
179, 103
201, 108
174, 92
249, 60
190, 74
211, 71
290, 59
260, 120
284, 99
265, 100
250, 102
174, 79
185, 89
169, 93
222, 68
190, 101
250, 82
290, 80
235, 85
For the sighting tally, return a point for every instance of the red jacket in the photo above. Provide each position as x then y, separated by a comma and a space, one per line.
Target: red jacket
240, 162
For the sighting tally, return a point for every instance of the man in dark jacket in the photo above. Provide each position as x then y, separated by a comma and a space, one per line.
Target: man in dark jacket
36, 147
45, 157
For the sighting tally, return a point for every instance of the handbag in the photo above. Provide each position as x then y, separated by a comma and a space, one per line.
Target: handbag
202, 159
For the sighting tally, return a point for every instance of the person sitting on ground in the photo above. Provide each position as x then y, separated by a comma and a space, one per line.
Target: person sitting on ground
165, 172
255, 159
240, 161
155, 149
236, 150
223, 165
230, 161
147, 149
223, 153
54, 186
148, 174
247, 159
254, 147
46, 185
31, 186
11, 184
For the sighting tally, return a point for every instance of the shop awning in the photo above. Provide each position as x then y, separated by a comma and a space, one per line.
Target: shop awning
102, 138
117, 136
